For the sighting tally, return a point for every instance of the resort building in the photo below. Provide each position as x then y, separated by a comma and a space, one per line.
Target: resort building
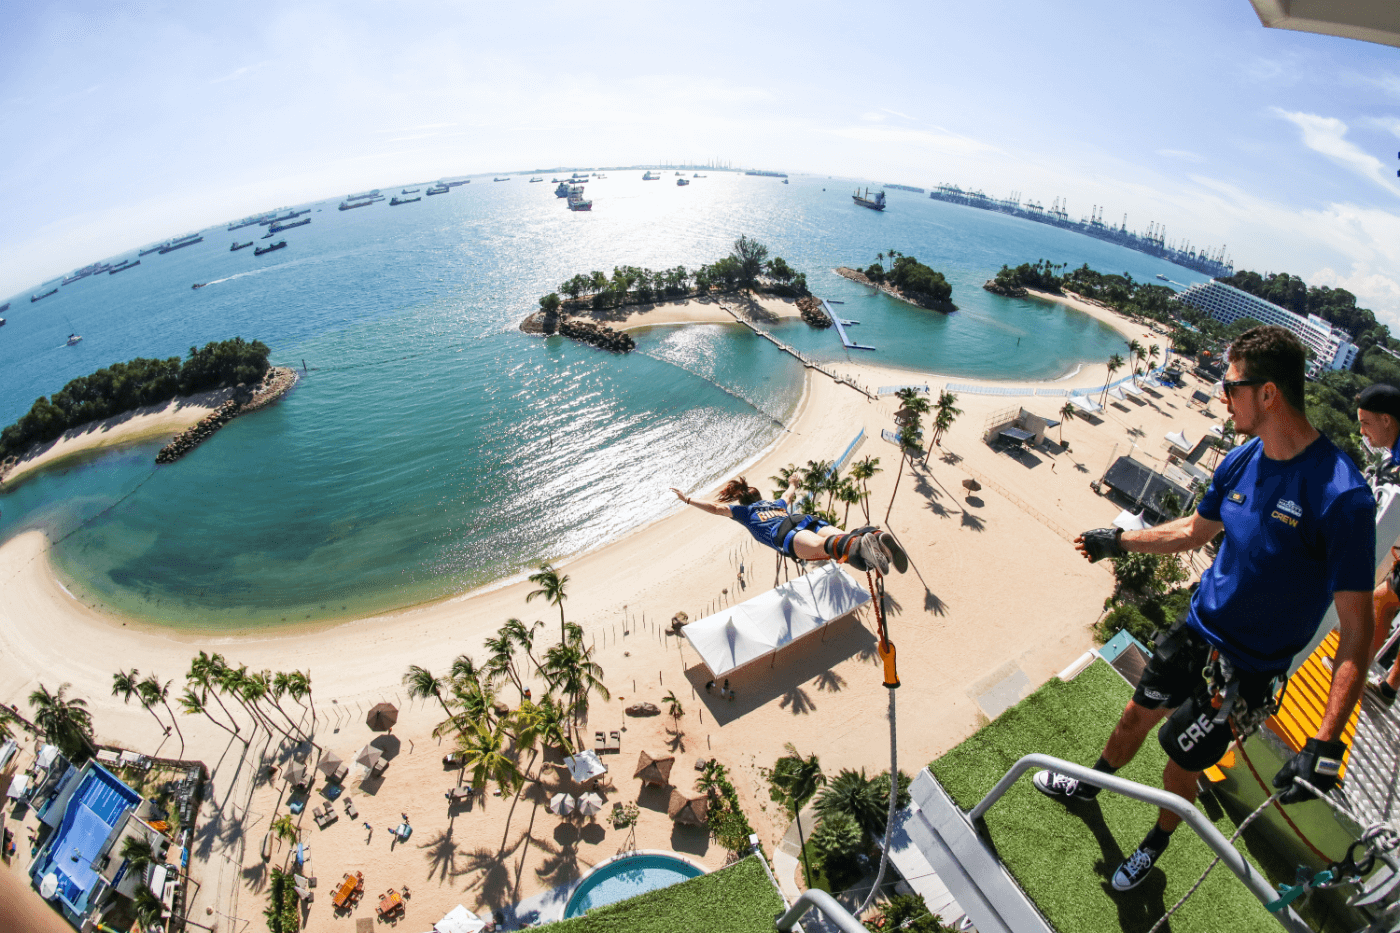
1331, 346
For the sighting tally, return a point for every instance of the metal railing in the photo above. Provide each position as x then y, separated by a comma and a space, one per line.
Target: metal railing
828, 905
1229, 855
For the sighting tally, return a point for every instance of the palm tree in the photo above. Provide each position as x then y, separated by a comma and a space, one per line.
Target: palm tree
1135, 353
783, 477
1115, 363
422, 684
860, 798
947, 411
147, 907
524, 636
849, 494
204, 674
569, 668
127, 684
252, 688
192, 704
501, 662
792, 783
1142, 358
232, 681
299, 686
1152, 353
138, 853
1066, 415
864, 470
673, 707
712, 778
276, 685
551, 586
153, 692
486, 757
285, 828
64, 722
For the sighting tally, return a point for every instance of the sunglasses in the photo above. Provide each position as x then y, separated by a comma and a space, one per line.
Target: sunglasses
1226, 386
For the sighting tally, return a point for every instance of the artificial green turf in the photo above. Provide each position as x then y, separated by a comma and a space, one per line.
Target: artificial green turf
1064, 856
737, 899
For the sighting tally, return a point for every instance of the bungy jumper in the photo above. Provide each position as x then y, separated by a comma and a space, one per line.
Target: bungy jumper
772, 522
806, 538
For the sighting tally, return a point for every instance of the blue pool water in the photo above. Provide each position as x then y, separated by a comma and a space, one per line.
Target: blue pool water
626, 878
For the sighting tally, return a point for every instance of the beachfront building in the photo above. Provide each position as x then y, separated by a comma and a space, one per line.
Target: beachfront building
1331, 346
79, 868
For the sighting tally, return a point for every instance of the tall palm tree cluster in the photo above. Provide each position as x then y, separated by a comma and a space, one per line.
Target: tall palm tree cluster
821, 486
492, 737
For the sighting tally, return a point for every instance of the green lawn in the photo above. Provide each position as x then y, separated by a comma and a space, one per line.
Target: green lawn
1064, 856
737, 899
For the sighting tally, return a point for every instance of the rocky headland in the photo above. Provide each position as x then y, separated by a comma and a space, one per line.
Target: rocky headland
918, 299
275, 383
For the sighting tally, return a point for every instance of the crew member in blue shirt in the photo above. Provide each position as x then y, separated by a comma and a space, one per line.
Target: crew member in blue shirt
1378, 412
1299, 533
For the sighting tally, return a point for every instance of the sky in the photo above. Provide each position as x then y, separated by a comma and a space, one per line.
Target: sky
126, 123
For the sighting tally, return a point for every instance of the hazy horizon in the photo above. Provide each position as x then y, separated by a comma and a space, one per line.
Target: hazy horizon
131, 125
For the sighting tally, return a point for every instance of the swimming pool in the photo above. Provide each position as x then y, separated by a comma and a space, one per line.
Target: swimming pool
626, 877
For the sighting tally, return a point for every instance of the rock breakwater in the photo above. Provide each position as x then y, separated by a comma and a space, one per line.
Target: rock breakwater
274, 385
598, 335
812, 312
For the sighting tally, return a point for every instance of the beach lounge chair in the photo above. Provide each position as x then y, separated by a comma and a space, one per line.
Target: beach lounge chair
340, 773
615, 743
350, 810
379, 767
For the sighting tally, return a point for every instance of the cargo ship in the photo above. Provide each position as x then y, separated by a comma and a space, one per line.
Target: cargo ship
650, 177
533, 180
269, 248
454, 184
579, 204
682, 182
235, 247
350, 206
180, 245
440, 189
876, 203
129, 264
250, 221
290, 215
361, 196
507, 178
567, 190
397, 201
278, 226
410, 191
767, 174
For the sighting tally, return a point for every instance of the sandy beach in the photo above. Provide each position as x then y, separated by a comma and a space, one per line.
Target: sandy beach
996, 601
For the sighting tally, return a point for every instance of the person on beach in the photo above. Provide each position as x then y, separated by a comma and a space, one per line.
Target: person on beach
803, 537
1299, 533
1378, 412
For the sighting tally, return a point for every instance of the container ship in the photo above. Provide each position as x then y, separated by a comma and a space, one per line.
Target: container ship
123, 266
279, 226
440, 189
290, 215
410, 191
876, 203
235, 247
269, 248
181, 244
395, 202
34, 298
351, 205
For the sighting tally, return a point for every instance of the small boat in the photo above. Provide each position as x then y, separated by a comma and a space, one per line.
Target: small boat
395, 202
5, 306
533, 180
784, 181
2, 322
235, 247
507, 178
267, 235
682, 182
697, 175
34, 298
199, 285
650, 177
269, 248
1163, 277
73, 338
579, 204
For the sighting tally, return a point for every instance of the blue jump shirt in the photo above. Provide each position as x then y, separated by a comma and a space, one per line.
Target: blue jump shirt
765, 521
1296, 532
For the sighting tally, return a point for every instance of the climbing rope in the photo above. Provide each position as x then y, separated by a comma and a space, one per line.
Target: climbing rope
886, 651
1239, 745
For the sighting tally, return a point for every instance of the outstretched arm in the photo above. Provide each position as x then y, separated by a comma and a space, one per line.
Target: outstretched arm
714, 508
790, 494
1173, 537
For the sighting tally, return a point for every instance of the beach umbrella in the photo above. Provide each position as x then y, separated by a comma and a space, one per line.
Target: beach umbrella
585, 766
693, 810
369, 756
382, 717
589, 804
295, 774
971, 485
460, 920
49, 886
654, 770
330, 763
562, 804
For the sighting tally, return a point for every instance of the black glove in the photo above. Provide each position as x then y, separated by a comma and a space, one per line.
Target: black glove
1318, 764
1103, 542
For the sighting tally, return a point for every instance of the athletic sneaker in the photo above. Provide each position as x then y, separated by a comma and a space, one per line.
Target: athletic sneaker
897, 555
1135, 868
874, 555
1380, 689
1062, 787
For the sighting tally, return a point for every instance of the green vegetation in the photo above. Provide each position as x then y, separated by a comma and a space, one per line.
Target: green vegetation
1042, 275
1063, 856
791, 783
737, 899
1149, 596
63, 721
123, 386
915, 281
907, 913
282, 912
728, 824
746, 267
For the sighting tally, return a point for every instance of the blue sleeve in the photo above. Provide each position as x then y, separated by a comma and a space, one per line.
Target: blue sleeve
1220, 484
1350, 526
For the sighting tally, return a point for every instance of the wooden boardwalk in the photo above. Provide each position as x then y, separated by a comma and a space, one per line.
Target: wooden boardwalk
841, 380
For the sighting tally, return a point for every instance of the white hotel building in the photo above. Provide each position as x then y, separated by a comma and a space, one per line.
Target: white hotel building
1331, 346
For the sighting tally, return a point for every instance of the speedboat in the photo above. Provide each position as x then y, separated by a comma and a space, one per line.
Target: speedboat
73, 338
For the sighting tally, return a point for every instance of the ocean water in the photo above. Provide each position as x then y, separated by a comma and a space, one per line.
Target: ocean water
431, 447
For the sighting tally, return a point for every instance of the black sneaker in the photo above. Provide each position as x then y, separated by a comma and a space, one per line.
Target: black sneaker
1380, 689
1062, 787
874, 555
1135, 868
897, 555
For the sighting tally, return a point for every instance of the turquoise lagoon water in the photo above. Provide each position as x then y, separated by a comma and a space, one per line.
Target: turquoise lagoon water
626, 878
431, 447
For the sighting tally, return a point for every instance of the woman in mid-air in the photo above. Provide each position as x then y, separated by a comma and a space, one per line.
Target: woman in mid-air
800, 536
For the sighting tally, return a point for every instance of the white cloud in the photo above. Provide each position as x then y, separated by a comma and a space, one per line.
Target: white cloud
1182, 154
873, 117
943, 142
1327, 135
238, 73
1375, 290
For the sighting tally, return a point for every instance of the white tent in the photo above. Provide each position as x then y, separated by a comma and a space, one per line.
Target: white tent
47, 754
1085, 404
460, 920
760, 626
18, 786
1131, 388
1129, 521
1178, 439
1117, 392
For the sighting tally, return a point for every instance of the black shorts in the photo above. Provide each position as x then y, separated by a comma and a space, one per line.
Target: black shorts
1175, 679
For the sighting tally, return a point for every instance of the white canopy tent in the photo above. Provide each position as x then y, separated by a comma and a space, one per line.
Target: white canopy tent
1117, 393
18, 786
1087, 405
460, 920
1130, 521
1131, 388
761, 626
1178, 439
